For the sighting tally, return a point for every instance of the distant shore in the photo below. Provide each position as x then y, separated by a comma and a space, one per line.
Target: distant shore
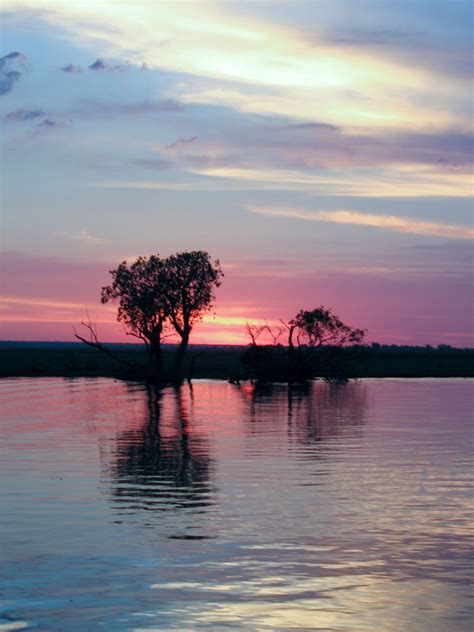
25, 359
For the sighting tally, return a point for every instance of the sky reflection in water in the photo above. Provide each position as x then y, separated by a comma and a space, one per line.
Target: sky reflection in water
325, 508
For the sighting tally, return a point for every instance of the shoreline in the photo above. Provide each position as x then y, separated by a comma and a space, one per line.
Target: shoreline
223, 362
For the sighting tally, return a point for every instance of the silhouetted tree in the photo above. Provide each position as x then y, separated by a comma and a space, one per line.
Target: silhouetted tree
308, 331
94, 342
191, 279
264, 362
157, 296
321, 327
141, 291
314, 329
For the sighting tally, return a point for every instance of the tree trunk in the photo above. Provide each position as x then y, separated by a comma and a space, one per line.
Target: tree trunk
179, 357
193, 366
156, 360
292, 360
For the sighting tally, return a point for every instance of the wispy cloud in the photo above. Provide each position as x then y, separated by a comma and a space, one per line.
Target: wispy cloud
101, 66
89, 108
181, 142
10, 67
24, 115
47, 123
408, 45
404, 181
71, 69
313, 145
266, 67
157, 164
45, 310
84, 236
50, 124
387, 222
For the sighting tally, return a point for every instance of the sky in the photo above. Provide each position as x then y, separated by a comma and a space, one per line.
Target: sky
321, 150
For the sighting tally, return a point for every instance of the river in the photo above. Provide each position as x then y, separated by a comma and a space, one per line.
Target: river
215, 506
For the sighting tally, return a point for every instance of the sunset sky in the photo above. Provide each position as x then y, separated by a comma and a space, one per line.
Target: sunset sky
322, 150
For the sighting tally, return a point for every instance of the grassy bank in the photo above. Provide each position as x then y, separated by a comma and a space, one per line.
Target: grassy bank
223, 362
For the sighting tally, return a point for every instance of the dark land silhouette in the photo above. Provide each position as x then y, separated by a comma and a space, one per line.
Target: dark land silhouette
71, 359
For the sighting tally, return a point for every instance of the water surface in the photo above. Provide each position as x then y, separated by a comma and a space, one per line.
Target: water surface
215, 506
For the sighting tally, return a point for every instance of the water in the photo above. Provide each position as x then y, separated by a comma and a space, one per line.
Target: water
221, 507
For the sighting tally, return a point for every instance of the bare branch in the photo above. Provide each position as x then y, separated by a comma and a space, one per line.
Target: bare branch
254, 331
94, 342
130, 333
167, 336
275, 333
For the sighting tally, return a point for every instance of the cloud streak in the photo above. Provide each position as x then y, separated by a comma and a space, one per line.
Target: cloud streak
89, 108
100, 66
50, 124
181, 142
404, 181
84, 236
24, 115
386, 222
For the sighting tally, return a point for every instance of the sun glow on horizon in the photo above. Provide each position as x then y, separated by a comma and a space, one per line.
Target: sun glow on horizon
219, 328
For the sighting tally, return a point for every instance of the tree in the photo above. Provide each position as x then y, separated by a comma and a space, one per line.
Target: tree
265, 362
308, 331
191, 279
314, 329
141, 289
158, 296
321, 327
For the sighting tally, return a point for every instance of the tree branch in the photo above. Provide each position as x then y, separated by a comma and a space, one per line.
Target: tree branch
94, 342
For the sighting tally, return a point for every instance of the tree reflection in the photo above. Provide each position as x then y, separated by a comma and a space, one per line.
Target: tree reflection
315, 411
326, 411
162, 465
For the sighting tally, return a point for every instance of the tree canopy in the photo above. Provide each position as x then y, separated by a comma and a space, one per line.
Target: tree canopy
139, 289
320, 326
191, 279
